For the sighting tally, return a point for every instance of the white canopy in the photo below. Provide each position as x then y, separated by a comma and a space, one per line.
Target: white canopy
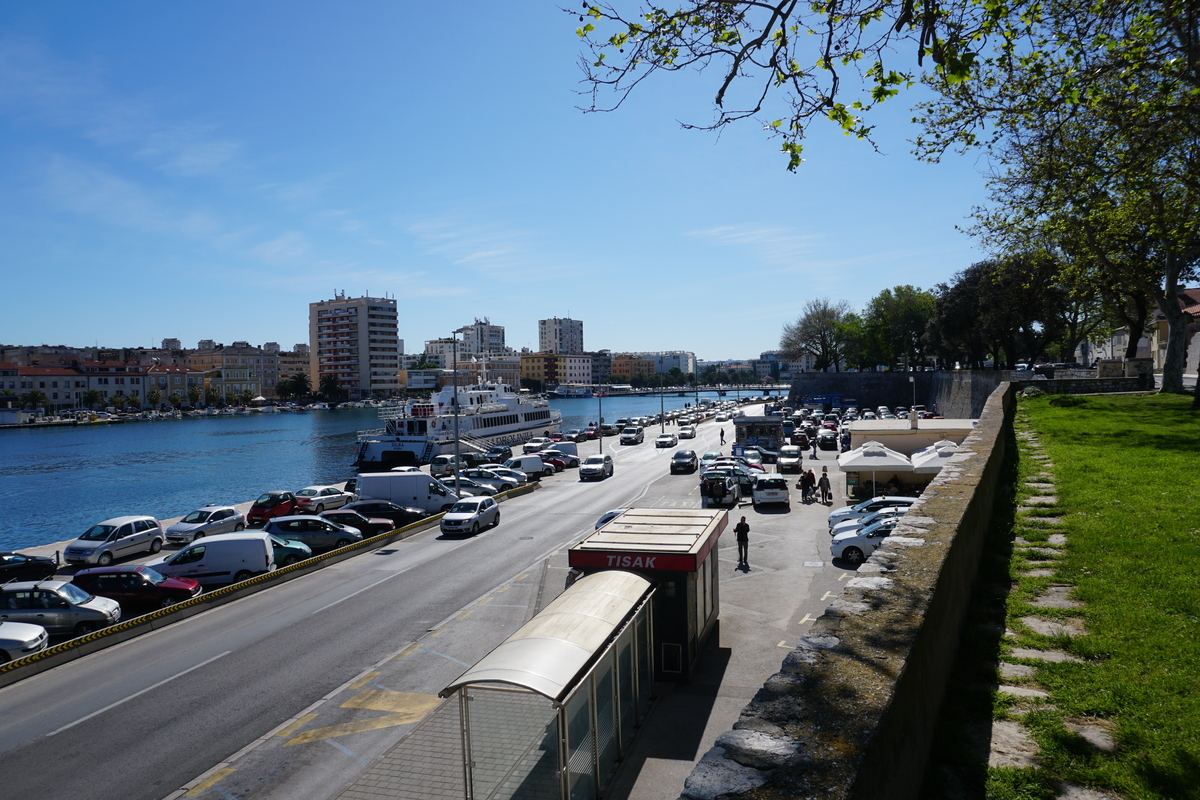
934, 457
874, 457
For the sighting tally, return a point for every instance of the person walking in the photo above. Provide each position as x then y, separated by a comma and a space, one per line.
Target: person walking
722, 436
743, 542
823, 485
814, 444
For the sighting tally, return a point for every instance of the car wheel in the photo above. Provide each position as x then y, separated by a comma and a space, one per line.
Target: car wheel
244, 575
84, 628
475, 529
852, 555
320, 508
4, 657
197, 537
239, 527
105, 559
496, 521
548, 471
155, 545
292, 559
342, 543
167, 602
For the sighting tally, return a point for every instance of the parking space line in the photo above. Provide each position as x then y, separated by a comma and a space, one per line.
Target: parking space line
297, 725
449, 658
393, 702
827, 595
347, 751
365, 679
406, 651
206, 784
807, 618
359, 726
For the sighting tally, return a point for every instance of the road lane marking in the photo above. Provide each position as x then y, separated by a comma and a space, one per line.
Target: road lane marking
465, 614
347, 728
807, 618
206, 784
827, 595
297, 725
450, 658
843, 576
352, 594
364, 680
393, 702
111, 706
784, 644
347, 751
406, 651
485, 601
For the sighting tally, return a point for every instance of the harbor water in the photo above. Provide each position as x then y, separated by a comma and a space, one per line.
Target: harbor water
60, 481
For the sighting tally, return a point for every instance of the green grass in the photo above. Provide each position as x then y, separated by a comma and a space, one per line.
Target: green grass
1127, 475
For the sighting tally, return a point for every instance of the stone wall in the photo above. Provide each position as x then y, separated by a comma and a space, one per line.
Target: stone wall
1141, 383
852, 711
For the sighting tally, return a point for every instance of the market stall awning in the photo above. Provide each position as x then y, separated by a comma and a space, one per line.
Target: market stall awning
934, 457
874, 457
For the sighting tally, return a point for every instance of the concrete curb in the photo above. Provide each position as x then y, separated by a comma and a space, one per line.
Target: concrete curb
68, 651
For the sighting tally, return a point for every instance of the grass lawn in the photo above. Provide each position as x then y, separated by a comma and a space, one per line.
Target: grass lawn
1126, 472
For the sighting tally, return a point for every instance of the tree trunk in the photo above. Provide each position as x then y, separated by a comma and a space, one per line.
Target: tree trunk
1135, 330
1176, 357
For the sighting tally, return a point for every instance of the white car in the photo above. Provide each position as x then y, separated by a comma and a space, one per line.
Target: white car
851, 525
857, 546
535, 444
470, 515
770, 489
868, 507
666, 440
20, 639
508, 474
316, 499
687, 432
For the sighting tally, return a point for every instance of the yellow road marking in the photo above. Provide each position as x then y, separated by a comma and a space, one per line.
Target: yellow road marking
395, 702
843, 576
438, 632
807, 618
297, 725
503, 588
464, 614
206, 784
406, 651
521, 577
485, 601
347, 728
364, 680
828, 595
784, 644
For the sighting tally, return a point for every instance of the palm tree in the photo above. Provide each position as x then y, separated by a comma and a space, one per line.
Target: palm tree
175, 399
92, 398
154, 397
283, 388
231, 398
211, 395
193, 394
119, 401
35, 398
329, 388
301, 384
245, 397
135, 400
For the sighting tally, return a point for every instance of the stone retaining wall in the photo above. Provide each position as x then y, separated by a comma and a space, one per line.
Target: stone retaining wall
852, 711
1089, 385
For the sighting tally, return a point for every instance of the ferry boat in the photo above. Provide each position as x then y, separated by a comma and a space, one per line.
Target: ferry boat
488, 413
571, 392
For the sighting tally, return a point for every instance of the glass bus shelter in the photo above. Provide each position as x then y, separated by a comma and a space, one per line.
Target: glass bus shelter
548, 713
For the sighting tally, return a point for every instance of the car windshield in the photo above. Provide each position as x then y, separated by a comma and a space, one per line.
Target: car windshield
306, 493
464, 508
684, 455
267, 500
153, 576
196, 517
790, 451
98, 533
711, 454
594, 460
74, 594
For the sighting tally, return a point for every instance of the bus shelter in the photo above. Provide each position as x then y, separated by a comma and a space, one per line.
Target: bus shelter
549, 712
676, 548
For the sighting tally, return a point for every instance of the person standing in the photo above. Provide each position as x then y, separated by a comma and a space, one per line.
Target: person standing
814, 444
743, 542
823, 485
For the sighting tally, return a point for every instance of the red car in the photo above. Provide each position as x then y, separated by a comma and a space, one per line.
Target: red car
557, 436
136, 586
270, 505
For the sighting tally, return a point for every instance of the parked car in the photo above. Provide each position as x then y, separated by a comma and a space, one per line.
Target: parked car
867, 507
497, 453
225, 558
531, 465
720, 487
684, 461
446, 464
20, 567
556, 436
487, 477
709, 457
465, 487
288, 551
211, 519
575, 435
687, 432
398, 514
569, 459
742, 461
508, 473
20, 639
559, 464
535, 444
858, 523
598, 466
136, 586
856, 546
57, 606
320, 534
471, 514
666, 440
765, 455
115, 538
315, 499
348, 517
770, 489
270, 505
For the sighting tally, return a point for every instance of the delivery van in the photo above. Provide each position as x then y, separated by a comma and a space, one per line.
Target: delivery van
412, 489
531, 465
227, 558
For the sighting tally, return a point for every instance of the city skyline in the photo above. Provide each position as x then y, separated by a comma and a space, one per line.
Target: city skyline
213, 185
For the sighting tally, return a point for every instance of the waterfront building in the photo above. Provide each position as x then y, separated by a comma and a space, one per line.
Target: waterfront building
236, 369
624, 367
601, 365
441, 351
505, 369
271, 347
355, 339
563, 335
206, 344
552, 369
114, 378
665, 361
170, 378
293, 362
481, 337
63, 385
46, 355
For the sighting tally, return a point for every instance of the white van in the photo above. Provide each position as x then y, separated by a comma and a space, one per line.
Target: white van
227, 558
412, 489
532, 465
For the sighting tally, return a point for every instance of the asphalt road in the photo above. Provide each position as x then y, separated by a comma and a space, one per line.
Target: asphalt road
144, 718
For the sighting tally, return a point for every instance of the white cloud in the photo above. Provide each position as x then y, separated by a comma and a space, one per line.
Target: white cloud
489, 249
770, 245
286, 249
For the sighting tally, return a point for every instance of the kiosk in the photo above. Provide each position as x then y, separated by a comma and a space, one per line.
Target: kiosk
676, 549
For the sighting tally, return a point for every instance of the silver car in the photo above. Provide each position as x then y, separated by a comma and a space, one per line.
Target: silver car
318, 533
57, 606
115, 538
207, 521
19, 639
471, 514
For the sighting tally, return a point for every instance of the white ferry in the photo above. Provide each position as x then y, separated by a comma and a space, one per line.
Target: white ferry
488, 413
571, 391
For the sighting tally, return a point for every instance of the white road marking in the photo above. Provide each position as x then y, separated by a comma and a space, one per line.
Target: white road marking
138, 694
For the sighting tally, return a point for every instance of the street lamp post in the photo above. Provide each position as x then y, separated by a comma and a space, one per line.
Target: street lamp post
600, 422
457, 460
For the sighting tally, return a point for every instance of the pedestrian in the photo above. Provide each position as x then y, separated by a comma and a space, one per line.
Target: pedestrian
814, 444
823, 484
722, 436
806, 486
743, 542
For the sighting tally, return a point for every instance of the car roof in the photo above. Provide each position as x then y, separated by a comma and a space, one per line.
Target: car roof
214, 507
115, 521
112, 570
20, 586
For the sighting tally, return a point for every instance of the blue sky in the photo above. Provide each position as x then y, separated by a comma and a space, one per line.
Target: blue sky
206, 170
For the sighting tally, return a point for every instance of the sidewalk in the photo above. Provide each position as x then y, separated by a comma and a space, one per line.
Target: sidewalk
764, 610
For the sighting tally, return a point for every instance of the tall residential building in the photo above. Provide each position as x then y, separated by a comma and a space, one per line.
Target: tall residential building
481, 337
560, 335
172, 344
356, 340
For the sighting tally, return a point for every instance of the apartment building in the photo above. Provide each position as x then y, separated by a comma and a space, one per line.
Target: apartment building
356, 340
551, 369
236, 369
481, 337
563, 335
